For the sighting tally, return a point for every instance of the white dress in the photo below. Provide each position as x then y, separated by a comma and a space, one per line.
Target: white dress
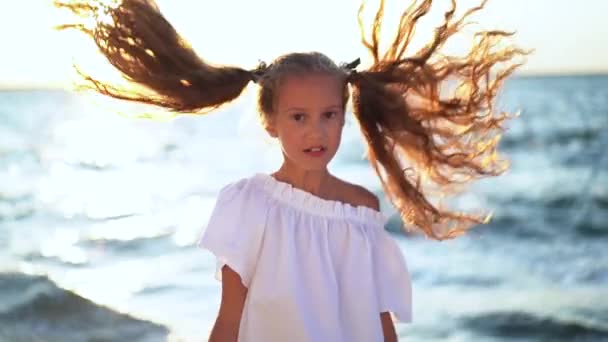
315, 269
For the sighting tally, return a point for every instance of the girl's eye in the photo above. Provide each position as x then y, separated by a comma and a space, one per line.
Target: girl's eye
330, 115
298, 117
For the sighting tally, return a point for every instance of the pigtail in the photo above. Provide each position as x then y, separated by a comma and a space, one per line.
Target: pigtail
137, 39
408, 115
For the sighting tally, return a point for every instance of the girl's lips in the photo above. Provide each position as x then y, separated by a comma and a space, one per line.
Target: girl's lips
315, 151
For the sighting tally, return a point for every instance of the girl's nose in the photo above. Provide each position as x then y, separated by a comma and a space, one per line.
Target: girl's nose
317, 130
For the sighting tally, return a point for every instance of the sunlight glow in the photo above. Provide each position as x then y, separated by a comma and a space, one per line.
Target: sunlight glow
264, 29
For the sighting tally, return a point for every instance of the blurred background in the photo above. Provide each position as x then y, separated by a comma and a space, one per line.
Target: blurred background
99, 212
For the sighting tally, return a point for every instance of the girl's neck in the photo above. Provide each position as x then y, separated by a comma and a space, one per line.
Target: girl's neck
316, 182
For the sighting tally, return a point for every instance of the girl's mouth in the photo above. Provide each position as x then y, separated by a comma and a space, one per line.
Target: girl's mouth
316, 151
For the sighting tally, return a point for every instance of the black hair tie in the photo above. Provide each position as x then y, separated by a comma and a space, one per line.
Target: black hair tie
350, 68
258, 72
352, 65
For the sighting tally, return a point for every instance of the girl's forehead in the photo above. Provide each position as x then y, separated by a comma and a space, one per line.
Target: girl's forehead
314, 90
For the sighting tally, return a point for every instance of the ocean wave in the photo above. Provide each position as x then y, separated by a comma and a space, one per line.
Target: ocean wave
570, 200
592, 226
522, 325
431, 279
566, 214
530, 137
137, 246
16, 207
35, 309
517, 224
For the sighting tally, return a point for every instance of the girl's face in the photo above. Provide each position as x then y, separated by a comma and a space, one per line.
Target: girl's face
308, 119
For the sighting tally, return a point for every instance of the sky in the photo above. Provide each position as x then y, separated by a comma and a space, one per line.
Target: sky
565, 38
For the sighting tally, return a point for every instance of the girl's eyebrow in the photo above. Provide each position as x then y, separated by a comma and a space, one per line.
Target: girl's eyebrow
305, 109
296, 108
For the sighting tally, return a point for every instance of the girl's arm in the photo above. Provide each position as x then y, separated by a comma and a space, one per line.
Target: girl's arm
388, 327
226, 327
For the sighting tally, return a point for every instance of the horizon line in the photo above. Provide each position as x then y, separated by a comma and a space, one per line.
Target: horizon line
525, 74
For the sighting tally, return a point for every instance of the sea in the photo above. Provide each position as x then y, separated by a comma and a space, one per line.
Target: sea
100, 211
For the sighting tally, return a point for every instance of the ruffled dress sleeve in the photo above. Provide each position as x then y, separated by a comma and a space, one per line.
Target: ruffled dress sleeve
392, 278
235, 230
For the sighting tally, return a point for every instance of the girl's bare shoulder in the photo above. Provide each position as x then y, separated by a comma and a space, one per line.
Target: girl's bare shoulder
357, 195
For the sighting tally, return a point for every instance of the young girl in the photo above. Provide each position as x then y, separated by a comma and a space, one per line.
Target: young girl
303, 255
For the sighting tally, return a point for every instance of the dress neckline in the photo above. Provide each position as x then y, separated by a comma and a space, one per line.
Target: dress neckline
302, 199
